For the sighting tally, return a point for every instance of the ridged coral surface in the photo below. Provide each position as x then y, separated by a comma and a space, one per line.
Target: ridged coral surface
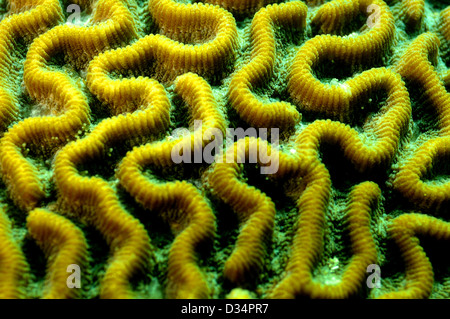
224, 149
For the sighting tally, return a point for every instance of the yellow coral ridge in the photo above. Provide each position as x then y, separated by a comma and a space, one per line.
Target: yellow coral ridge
13, 265
336, 99
94, 200
20, 24
63, 244
181, 204
185, 209
445, 29
307, 243
260, 68
66, 102
255, 210
202, 105
334, 15
308, 240
413, 12
381, 137
416, 67
209, 32
430, 195
419, 271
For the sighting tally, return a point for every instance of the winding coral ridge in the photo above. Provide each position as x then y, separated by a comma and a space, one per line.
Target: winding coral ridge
166, 58
20, 24
62, 97
431, 195
63, 244
93, 199
334, 15
255, 210
366, 154
185, 210
416, 67
308, 240
13, 266
256, 213
379, 142
419, 271
413, 12
26, 24
336, 100
260, 69
179, 202
444, 30
199, 38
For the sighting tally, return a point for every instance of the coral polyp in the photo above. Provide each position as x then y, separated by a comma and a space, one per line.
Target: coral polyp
224, 149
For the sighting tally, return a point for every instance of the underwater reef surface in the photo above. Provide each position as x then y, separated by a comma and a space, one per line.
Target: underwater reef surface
351, 199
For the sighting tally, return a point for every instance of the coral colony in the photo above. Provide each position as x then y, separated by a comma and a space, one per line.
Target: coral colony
224, 149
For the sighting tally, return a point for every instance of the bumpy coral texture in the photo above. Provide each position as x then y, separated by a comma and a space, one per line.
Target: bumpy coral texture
120, 179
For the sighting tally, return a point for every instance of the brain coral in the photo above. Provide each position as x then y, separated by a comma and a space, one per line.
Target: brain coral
103, 193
